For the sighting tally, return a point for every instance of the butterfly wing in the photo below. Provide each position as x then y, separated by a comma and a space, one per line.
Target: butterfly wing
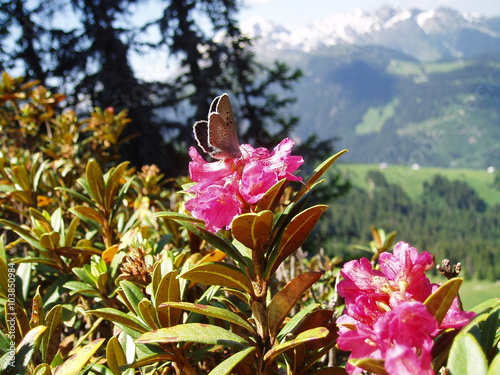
222, 137
200, 130
213, 106
223, 107
218, 137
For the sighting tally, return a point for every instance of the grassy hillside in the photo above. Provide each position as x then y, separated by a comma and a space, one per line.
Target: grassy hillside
411, 180
473, 292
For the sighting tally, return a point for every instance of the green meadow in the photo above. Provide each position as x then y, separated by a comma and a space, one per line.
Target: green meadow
473, 292
411, 179
410, 68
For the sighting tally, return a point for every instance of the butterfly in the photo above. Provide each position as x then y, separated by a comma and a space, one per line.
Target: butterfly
218, 136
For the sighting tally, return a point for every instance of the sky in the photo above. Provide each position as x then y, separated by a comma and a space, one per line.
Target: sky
296, 13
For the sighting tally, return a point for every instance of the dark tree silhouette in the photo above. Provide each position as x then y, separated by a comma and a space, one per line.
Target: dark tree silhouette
89, 59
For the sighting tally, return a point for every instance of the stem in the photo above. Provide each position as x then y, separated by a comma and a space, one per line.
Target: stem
182, 365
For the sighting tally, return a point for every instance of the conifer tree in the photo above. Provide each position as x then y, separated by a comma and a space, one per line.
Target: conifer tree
91, 62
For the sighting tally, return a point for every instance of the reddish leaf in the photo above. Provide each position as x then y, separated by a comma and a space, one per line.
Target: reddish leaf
50, 241
253, 229
303, 337
84, 212
285, 299
295, 234
218, 273
319, 318
271, 197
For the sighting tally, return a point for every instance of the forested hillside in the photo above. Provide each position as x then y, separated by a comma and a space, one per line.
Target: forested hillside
386, 107
449, 219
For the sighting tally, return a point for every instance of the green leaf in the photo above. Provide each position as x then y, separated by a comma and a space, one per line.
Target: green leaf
494, 368
38, 175
303, 337
132, 293
88, 213
193, 332
115, 355
23, 233
168, 290
154, 359
216, 241
78, 360
50, 241
56, 220
76, 194
51, 338
318, 172
117, 316
85, 275
294, 236
21, 177
148, 313
177, 217
95, 181
4, 341
489, 330
466, 356
26, 349
42, 369
296, 320
439, 302
38, 219
37, 311
4, 276
119, 198
286, 298
113, 183
486, 305
81, 288
6, 362
319, 318
70, 233
212, 311
225, 367
219, 273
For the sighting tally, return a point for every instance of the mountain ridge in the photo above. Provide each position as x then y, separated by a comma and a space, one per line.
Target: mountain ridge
437, 33
437, 105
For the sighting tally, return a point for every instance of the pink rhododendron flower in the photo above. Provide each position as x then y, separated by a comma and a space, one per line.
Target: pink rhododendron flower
227, 188
402, 337
385, 317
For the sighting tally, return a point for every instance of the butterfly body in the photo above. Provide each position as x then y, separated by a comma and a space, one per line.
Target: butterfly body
218, 136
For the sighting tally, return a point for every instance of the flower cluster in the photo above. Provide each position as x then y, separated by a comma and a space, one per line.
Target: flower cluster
385, 318
230, 187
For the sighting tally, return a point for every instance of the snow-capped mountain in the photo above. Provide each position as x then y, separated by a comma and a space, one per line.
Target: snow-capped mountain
423, 34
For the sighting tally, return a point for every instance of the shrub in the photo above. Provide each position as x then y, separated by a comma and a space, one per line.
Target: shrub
104, 271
